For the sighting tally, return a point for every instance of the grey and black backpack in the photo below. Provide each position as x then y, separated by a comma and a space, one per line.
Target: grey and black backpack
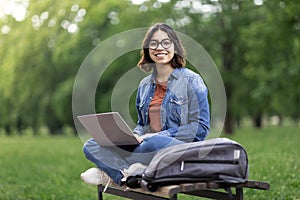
219, 159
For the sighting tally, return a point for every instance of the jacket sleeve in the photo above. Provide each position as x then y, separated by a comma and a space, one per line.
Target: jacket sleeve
140, 127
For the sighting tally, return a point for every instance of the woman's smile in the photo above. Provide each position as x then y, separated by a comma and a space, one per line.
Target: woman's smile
161, 54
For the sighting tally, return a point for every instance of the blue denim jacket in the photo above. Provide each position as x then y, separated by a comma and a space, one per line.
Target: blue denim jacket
184, 111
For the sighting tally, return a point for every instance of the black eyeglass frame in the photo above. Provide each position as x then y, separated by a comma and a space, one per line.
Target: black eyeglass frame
161, 43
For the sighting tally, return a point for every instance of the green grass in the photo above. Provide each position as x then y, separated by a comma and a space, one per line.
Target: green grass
273, 156
48, 168
43, 168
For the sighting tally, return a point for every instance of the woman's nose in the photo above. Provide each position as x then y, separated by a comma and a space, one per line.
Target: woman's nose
160, 47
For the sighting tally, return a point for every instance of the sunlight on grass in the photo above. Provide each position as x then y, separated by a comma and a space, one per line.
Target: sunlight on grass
40, 168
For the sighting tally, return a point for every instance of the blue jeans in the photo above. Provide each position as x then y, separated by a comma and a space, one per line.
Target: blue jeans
114, 159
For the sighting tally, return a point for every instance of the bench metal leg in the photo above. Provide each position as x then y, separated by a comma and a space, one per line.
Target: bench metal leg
100, 197
239, 193
100, 191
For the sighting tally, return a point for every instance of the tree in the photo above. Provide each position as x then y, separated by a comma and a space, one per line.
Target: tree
256, 52
271, 60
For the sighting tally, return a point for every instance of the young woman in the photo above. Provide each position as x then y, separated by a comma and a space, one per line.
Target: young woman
172, 106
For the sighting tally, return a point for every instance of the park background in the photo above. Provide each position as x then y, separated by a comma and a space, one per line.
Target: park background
254, 43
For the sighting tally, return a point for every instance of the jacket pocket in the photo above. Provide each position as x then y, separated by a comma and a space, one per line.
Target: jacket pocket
176, 104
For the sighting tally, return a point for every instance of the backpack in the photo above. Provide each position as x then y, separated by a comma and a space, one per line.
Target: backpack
218, 159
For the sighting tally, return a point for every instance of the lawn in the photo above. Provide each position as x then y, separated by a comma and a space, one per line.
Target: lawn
273, 156
48, 168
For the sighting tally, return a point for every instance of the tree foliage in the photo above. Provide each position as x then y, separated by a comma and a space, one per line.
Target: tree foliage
255, 44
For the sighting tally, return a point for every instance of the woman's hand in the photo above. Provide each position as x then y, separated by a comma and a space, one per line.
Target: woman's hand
141, 138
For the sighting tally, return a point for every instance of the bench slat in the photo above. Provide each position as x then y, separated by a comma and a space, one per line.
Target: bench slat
257, 185
166, 191
211, 194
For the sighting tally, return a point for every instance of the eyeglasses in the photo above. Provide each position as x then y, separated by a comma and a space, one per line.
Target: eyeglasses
165, 43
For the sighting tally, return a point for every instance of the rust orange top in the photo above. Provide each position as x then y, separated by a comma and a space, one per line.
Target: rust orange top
154, 108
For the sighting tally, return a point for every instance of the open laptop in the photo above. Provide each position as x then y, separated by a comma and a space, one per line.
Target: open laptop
108, 129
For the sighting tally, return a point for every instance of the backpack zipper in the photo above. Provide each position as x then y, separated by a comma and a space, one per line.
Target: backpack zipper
232, 162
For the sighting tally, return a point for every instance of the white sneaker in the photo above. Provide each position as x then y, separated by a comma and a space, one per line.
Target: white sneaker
133, 170
95, 176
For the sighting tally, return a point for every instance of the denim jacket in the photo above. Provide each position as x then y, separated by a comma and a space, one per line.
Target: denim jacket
184, 112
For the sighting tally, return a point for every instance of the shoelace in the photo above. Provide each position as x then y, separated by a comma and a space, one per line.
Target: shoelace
106, 186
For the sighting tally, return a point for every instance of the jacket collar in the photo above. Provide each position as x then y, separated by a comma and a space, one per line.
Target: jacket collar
175, 74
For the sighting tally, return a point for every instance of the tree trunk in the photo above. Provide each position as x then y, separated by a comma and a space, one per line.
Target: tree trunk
257, 121
228, 127
227, 65
227, 54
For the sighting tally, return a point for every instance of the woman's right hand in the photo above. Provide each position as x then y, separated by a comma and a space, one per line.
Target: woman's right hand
141, 138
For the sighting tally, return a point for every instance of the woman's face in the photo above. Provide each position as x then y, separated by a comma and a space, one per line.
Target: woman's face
161, 48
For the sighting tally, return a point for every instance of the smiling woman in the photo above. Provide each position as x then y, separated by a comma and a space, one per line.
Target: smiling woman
171, 104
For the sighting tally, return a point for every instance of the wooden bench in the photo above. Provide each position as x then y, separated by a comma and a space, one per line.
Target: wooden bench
209, 190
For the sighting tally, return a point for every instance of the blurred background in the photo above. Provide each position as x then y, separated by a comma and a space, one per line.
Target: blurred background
254, 43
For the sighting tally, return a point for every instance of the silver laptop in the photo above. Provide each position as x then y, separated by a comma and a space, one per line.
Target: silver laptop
108, 129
